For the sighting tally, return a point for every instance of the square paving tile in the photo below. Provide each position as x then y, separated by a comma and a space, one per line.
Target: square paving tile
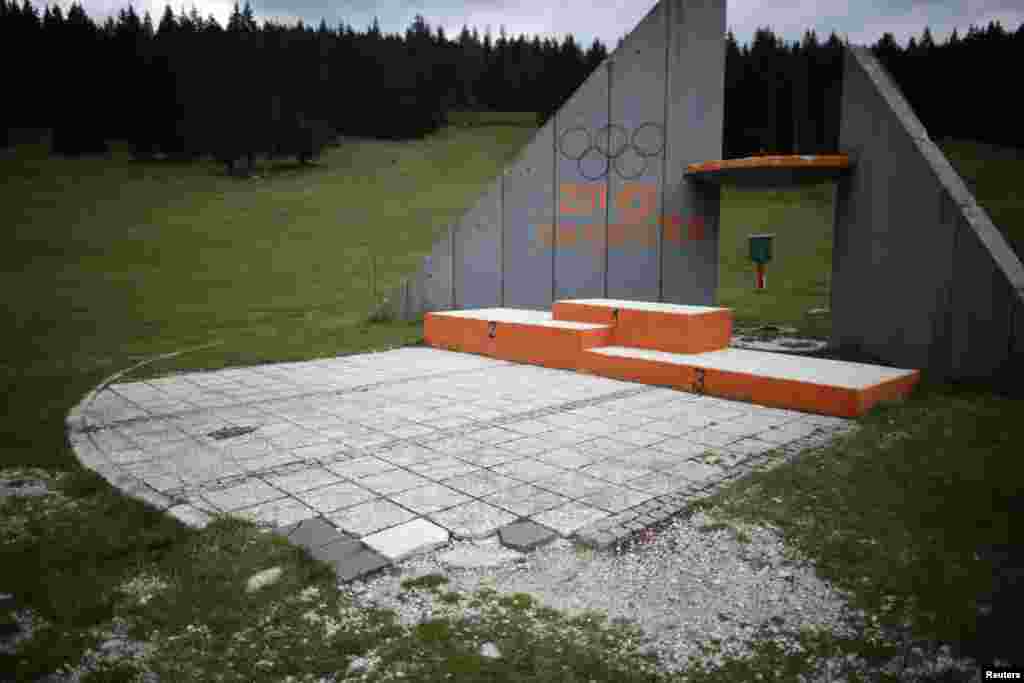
682, 447
630, 420
246, 494
410, 431
566, 437
658, 483
594, 428
311, 533
335, 496
531, 427
614, 472
407, 454
678, 426
493, 436
393, 481
787, 432
572, 484
271, 459
473, 520
490, 456
528, 470
416, 536
350, 558
638, 438
481, 483
531, 445
442, 467
750, 446
303, 480
281, 512
320, 451
604, 447
567, 458
242, 448
695, 471
570, 517
615, 498
369, 517
525, 500
713, 437
135, 456
451, 446
360, 467
430, 498
565, 420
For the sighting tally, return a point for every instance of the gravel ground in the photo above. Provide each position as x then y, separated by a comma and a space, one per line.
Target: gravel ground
682, 588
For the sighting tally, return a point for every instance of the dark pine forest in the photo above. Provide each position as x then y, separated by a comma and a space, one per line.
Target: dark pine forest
187, 87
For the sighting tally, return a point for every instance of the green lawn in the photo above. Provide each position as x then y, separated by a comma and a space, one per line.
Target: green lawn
108, 262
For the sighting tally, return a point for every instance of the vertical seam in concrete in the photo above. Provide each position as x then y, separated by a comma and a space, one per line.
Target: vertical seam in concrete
952, 283
451, 265
664, 160
501, 240
608, 181
554, 203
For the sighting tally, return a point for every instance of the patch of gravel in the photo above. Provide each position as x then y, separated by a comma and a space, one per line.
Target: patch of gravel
684, 587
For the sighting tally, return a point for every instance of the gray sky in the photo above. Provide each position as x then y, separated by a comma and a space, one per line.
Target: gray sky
863, 22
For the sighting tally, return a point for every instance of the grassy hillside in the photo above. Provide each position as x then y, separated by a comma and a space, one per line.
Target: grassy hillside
107, 262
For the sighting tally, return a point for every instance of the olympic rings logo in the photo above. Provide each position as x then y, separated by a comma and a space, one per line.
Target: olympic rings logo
613, 147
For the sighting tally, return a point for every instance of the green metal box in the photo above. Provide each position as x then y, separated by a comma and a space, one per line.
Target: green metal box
761, 248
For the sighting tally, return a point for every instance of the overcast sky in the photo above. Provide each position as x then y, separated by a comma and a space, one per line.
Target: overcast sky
863, 21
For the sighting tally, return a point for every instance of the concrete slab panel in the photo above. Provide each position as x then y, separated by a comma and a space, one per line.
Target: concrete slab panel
399, 542
526, 535
369, 517
473, 520
529, 218
478, 252
311, 533
582, 166
904, 203
438, 290
636, 143
570, 517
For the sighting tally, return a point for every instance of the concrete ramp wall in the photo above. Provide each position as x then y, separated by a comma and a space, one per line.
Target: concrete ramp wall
596, 205
921, 276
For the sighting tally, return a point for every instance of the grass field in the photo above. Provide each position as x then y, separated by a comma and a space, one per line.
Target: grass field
107, 262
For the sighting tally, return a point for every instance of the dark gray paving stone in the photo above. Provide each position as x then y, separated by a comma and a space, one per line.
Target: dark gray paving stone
351, 558
525, 535
312, 533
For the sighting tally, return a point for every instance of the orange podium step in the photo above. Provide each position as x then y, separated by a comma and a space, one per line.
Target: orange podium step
775, 380
645, 325
685, 347
513, 334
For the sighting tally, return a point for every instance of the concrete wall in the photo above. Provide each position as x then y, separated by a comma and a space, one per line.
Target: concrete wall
596, 205
921, 278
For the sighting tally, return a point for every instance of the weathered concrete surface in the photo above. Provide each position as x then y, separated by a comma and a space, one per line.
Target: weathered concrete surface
695, 120
478, 252
581, 168
634, 183
597, 205
921, 278
529, 203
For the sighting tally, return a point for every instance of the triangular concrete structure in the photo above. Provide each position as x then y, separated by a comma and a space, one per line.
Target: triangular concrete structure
596, 204
920, 276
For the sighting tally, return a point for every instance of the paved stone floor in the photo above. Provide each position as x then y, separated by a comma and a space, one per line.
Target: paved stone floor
366, 459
